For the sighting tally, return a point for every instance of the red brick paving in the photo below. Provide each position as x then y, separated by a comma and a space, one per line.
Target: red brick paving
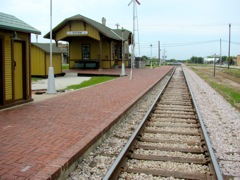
39, 139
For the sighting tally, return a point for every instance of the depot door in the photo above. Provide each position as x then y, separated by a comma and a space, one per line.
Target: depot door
18, 70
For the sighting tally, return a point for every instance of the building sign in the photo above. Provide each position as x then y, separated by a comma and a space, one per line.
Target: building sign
77, 32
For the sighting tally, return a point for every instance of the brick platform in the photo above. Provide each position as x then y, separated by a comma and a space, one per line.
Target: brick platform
40, 139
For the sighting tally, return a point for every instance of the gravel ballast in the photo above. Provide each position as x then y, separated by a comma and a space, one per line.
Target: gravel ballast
222, 122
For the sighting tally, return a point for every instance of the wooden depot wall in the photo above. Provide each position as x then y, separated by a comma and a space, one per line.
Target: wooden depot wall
101, 47
77, 26
15, 80
40, 62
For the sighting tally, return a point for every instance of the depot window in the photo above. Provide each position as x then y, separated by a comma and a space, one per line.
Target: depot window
86, 51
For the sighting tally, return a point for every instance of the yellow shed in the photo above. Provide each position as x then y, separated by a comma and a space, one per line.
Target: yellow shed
40, 59
92, 45
15, 74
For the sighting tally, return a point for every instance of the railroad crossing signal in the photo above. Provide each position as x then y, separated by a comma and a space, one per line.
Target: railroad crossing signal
132, 1
133, 33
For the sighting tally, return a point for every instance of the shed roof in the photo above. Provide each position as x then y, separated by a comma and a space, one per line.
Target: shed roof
10, 22
108, 32
46, 48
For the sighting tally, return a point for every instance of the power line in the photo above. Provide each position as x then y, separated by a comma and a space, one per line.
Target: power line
190, 43
186, 44
232, 42
188, 25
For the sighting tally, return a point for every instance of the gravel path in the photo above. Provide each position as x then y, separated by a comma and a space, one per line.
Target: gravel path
222, 122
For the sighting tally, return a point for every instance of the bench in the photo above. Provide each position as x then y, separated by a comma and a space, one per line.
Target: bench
87, 64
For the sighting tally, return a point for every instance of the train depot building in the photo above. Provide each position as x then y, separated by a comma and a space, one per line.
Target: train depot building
40, 59
92, 45
15, 68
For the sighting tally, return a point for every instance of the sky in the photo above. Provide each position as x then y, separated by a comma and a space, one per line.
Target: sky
184, 28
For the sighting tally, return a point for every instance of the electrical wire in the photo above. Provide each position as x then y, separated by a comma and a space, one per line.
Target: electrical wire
154, 45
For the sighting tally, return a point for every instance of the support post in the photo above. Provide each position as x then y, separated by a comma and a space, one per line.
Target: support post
123, 65
229, 42
51, 81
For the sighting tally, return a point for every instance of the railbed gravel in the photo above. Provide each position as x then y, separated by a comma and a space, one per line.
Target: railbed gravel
168, 153
175, 137
172, 124
96, 164
154, 118
175, 145
222, 122
175, 129
167, 166
138, 176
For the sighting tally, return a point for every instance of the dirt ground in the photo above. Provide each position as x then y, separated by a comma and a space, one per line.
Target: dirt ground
221, 77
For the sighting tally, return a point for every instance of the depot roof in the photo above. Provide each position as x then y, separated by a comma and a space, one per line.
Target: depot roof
10, 22
108, 32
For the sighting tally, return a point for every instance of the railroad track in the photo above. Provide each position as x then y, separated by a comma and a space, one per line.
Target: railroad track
170, 141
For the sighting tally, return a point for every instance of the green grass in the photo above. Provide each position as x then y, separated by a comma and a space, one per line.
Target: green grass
231, 95
201, 65
65, 66
234, 72
34, 79
93, 81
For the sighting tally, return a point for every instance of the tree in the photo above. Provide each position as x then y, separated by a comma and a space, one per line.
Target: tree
145, 57
197, 60
225, 59
173, 60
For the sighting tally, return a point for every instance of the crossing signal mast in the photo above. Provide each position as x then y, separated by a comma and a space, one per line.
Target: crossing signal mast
133, 34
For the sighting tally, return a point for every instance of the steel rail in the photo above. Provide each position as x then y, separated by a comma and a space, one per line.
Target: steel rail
112, 174
209, 146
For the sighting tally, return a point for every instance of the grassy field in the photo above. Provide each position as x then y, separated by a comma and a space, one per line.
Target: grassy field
93, 81
226, 81
34, 79
65, 66
233, 72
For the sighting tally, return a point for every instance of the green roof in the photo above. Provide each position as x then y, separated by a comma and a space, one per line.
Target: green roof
108, 32
46, 48
125, 33
10, 22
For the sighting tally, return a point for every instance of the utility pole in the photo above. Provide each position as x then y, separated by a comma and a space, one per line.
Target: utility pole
229, 42
133, 37
159, 55
151, 56
164, 55
214, 67
220, 52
